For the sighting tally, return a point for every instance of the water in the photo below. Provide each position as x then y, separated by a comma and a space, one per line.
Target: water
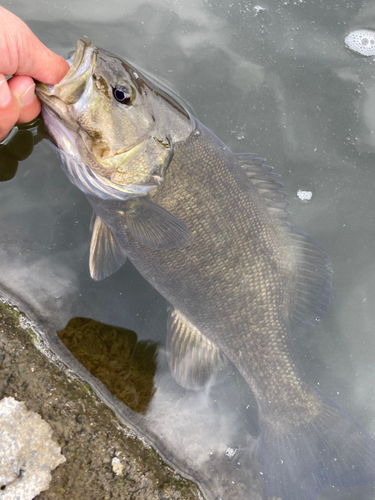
273, 78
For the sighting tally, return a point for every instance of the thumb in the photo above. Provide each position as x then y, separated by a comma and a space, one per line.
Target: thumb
22, 53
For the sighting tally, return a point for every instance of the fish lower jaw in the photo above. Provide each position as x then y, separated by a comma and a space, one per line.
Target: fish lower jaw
56, 109
61, 135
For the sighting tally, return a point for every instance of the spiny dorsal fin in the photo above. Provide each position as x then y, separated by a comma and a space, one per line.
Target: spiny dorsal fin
106, 256
265, 180
193, 359
312, 280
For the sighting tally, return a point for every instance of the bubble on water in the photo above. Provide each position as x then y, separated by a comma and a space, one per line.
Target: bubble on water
304, 195
230, 452
361, 41
258, 8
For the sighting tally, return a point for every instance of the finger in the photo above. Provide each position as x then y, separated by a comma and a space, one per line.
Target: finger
23, 53
39, 62
9, 108
23, 89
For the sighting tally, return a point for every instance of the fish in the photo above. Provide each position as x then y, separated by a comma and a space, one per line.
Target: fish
209, 230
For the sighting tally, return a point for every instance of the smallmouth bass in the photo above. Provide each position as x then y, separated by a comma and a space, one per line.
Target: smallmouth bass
208, 229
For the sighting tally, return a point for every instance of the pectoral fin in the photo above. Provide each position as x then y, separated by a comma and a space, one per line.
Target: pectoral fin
105, 255
193, 359
156, 228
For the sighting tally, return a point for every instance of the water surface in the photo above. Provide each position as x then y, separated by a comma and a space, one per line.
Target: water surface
272, 78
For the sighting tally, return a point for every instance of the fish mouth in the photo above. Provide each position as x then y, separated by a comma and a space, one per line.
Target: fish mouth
71, 87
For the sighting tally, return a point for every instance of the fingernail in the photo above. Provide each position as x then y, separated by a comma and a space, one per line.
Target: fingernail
4, 92
27, 96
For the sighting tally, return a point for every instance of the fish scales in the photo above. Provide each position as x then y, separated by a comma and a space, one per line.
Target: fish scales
207, 228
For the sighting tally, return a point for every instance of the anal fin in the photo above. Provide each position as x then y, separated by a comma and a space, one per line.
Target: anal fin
193, 359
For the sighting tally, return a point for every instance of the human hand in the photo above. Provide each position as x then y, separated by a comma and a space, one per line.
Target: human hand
22, 54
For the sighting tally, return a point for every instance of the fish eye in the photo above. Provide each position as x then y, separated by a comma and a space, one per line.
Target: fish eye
122, 94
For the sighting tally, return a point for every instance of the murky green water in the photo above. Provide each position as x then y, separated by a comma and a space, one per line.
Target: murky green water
274, 79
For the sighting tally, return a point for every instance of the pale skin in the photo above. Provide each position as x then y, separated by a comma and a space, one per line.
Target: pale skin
23, 57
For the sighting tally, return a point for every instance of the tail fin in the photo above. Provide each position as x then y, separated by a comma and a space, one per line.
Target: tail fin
333, 449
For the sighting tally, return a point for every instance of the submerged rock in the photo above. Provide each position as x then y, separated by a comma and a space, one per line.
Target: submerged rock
27, 452
115, 356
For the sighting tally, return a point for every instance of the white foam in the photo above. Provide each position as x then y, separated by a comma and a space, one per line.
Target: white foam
304, 195
361, 41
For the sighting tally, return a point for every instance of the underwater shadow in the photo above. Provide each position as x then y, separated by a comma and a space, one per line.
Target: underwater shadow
114, 355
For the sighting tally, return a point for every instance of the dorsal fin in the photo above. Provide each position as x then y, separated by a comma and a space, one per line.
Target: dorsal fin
312, 269
312, 280
265, 180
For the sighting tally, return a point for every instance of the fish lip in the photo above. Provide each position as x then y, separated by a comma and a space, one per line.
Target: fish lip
43, 90
82, 61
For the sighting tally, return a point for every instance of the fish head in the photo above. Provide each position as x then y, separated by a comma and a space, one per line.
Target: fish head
115, 122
